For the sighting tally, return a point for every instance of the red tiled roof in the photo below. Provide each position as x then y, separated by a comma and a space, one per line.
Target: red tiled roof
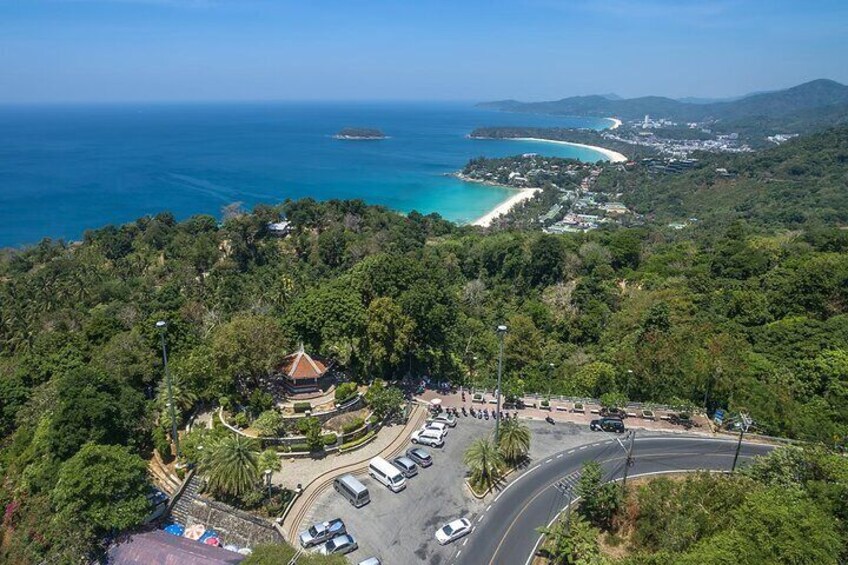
164, 549
300, 365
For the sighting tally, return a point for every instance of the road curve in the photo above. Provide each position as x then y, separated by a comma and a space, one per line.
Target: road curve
505, 532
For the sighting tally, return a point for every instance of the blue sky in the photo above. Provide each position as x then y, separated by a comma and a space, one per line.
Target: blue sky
161, 50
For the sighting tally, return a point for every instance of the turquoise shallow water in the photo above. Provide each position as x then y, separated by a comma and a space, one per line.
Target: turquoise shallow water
67, 169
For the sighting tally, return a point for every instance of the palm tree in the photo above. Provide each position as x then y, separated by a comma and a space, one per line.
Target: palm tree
184, 399
484, 462
514, 441
269, 461
230, 465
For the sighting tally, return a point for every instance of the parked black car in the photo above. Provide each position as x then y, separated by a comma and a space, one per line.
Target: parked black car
607, 425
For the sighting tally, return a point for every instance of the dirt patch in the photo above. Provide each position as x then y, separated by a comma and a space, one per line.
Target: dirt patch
336, 423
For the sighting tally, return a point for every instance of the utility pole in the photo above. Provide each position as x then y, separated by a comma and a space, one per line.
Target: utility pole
746, 422
629, 461
501, 332
162, 325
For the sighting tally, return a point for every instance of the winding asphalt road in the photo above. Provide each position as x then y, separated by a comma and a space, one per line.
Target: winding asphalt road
505, 532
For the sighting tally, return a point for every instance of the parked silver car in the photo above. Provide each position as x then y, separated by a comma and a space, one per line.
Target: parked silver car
321, 532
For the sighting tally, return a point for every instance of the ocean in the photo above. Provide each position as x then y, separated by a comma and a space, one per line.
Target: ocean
66, 169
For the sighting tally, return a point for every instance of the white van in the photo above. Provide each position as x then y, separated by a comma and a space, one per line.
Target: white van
387, 474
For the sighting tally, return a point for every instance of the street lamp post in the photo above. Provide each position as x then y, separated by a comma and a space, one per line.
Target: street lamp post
162, 325
501, 332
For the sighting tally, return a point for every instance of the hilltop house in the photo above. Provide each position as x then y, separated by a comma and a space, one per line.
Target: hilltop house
302, 374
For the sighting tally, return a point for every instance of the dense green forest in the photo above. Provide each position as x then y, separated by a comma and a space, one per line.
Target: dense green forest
744, 316
788, 507
800, 183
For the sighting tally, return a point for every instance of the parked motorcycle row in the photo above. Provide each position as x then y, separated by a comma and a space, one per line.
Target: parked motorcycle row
480, 414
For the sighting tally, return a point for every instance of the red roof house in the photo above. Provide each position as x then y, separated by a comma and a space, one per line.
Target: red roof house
301, 373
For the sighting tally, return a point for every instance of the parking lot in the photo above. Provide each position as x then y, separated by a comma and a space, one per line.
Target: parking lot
399, 528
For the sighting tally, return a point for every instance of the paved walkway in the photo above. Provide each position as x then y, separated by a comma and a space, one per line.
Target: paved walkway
563, 414
317, 475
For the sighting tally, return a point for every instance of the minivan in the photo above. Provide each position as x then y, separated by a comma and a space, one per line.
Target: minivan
387, 474
355, 492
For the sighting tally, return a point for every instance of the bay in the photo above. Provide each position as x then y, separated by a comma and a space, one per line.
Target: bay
65, 169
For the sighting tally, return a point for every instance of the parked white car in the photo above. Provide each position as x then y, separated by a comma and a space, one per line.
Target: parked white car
444, 418
453, 531
440, 426
433, 438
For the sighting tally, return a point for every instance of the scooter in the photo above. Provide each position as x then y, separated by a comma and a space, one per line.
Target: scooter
479, 414
473, 412
486, 413
464, 413
549, 420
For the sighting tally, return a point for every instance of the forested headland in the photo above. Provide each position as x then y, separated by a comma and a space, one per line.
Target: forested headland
747, 312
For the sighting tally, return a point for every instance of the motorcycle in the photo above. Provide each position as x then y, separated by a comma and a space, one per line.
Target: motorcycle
486, 414
549, 420
464, 413
479, 414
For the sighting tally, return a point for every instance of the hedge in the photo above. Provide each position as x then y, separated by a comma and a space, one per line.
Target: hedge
353, 425
345, 392
360, 441
300, 407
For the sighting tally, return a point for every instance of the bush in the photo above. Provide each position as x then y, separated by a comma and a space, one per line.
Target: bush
345, 392
301, 407
259, 402
311, 428
329, 439
613, 400
269, 424
353, 425
357, 442
300, 448
241, 420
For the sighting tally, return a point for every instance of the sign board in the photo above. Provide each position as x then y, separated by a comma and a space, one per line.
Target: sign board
718, 417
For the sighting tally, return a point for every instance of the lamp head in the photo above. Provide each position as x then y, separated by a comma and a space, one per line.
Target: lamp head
501, 329
161, 324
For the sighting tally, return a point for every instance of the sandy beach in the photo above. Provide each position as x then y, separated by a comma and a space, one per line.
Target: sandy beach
616, 123
613, 156
505, 206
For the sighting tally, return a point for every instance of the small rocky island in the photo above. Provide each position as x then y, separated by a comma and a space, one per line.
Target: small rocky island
360, 134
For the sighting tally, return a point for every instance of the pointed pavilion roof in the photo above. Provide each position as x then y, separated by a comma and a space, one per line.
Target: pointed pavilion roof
300, 365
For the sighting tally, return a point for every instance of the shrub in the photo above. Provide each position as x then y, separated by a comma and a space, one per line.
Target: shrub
329, 439
240, 420
345, 392
358, 442
259, 401
300, 447
301, 407
269, 423
353, 425
311, 428
613, 400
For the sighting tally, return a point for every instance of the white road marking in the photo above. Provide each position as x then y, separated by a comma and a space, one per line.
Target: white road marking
457, 553
558, 456
549, 460
570, 451
582, 447
489, 508
463, 543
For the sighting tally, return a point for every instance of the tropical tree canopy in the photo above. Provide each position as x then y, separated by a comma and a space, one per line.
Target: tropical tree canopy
231, 465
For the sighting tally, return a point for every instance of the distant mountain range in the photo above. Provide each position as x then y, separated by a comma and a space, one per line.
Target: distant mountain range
805, 107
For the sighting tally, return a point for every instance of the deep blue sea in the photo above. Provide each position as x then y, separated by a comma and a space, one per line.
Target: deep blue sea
65, 169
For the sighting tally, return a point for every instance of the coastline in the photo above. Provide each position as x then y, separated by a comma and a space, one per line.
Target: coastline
616, 123
612, 156
520, 196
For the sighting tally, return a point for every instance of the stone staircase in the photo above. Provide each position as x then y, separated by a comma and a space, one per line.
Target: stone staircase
181, 511
162, 476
